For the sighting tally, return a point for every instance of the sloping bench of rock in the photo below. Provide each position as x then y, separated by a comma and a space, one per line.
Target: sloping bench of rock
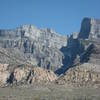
86, 74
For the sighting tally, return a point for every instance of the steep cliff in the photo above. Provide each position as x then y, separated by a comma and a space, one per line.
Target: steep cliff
36, 46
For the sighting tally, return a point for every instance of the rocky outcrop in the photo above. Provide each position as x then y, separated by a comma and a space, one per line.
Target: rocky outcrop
86, 74
42, 75
21, 73
24, 74
4, 74
72, 53
35, 74
27, 74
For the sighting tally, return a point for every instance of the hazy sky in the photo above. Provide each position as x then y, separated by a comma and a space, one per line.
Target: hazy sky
64, 16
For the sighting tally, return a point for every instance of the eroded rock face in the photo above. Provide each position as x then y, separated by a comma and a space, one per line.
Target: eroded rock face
91, 54
86, 74
36, 46
21, 74
85, 69
71, 53
4, 74
12, 56
30, 75
42, 75
25, 74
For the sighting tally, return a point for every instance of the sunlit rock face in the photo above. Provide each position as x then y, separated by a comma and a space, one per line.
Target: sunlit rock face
24, 74
29, 74
4, 74
36, 46
41, 75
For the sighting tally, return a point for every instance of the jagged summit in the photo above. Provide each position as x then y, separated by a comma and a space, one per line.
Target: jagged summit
39, 46
90, 29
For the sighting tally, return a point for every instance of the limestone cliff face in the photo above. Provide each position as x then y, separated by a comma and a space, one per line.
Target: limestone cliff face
36, 46
46, 48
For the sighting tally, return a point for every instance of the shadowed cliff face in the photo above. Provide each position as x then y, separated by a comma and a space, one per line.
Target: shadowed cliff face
90, 29
85, 28
71, 53
82, 47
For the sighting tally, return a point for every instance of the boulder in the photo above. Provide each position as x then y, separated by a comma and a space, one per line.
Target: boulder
43, 75
4, 74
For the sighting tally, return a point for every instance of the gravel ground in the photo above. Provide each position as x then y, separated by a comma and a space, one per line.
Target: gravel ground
49, 92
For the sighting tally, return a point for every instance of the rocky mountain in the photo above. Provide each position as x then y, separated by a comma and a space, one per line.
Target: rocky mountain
77, 56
